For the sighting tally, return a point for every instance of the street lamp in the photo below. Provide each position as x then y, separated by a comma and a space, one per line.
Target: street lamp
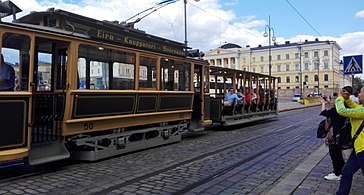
269, 34
301, 81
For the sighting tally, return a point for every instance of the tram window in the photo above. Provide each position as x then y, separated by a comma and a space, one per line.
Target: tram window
15, 50
123, 70
175, 75
44, 72
99, 77
50, 64
147, 72
105, 68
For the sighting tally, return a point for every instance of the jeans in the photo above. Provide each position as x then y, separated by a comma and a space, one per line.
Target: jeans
336, 158
355, 162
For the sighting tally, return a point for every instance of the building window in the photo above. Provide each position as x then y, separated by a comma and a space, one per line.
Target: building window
287, 67
278, 57
316, 78
253, 69
326, 53
279, 68
326, 77
326, 65
288, 79
287, 56
232, 60
306, 78
244, 60
306, 66
297, 67
288, 88
253, 59
306, 54
296, 55
218, 62
279, 80
262, 69
262, 58
316, 65
212, 62
297, 79
315, 54
226, 61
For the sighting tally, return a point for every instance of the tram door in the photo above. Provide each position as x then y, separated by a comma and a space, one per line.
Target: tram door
49, 98
197, 100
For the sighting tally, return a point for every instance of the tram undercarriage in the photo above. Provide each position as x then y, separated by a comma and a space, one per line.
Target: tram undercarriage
92, 148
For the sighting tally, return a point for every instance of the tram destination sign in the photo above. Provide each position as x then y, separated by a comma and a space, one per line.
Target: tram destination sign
136, 42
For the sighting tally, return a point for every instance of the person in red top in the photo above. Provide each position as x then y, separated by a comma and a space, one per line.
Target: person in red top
247, 99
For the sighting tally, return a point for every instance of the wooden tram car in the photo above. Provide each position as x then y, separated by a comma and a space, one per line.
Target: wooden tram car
90, 89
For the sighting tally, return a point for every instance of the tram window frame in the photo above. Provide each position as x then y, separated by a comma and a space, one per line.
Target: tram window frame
147, 65
114, 63
50, 63
206, 79
171, 67
10, 47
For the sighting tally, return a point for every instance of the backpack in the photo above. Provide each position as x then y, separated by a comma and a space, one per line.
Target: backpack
344, 138
323, 128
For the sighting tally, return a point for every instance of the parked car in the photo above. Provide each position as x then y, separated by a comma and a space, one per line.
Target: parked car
296, 97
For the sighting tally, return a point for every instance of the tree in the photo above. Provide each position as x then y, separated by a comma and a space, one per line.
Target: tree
358, 84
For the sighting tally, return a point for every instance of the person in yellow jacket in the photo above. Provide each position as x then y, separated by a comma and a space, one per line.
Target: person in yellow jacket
356, 160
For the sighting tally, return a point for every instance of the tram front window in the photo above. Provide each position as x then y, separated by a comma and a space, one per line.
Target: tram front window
15, 56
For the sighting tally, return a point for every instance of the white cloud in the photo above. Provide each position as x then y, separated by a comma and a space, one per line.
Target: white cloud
360, 14
207, 22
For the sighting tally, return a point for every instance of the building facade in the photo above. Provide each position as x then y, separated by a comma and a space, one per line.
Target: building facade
310, 67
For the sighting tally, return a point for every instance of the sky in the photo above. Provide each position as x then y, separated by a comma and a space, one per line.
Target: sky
212, 23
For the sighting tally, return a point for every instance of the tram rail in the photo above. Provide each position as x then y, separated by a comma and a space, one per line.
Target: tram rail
13, 170
215, 151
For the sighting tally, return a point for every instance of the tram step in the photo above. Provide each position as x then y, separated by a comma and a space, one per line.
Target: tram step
48, 153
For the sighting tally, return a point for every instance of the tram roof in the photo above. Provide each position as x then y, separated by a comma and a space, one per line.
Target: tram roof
36, 17
61, 21
221, 71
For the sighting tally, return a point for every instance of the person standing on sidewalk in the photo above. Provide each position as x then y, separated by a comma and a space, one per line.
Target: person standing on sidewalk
356, 160
337, 122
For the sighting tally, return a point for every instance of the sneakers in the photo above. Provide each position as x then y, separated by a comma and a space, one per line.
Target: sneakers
333, 177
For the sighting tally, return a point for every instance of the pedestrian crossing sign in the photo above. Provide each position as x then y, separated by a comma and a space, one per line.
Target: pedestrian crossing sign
353, 64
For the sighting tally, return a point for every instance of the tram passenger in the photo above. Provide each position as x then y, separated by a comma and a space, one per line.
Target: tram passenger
239, 105
254, 100
7, 76
230, 100
336, 123
231, 97
247, 99
356, 114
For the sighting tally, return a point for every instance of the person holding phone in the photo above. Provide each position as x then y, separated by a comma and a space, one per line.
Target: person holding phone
356, 114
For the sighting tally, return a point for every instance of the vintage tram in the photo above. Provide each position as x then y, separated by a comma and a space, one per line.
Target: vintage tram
90, 89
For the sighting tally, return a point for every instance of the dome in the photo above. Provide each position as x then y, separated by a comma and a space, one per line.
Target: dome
230, 45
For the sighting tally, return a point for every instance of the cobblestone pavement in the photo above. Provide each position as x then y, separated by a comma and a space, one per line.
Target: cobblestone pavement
259, 175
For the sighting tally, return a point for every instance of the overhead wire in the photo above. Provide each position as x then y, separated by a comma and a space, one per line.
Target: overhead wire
304, 18
223, 20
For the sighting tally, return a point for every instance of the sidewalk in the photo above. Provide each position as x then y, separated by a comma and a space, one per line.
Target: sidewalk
308, 177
